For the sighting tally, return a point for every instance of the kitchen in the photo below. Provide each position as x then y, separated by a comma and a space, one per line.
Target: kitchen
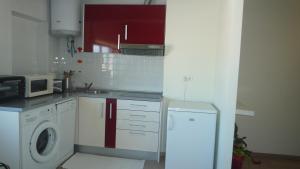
178, 75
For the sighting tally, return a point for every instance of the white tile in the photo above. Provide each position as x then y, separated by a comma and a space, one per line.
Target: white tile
115, 71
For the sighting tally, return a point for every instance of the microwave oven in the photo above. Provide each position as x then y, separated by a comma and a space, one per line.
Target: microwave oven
38, 85
12, 87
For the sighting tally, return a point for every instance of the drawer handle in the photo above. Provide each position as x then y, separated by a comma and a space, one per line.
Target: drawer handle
137, 115
110, 111
136, 125
139, 105
137, 133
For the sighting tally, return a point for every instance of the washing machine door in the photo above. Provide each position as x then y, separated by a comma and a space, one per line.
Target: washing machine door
44, 142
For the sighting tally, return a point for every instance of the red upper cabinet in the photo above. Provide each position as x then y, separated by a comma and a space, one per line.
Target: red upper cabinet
106, 27
101, 28
144, 24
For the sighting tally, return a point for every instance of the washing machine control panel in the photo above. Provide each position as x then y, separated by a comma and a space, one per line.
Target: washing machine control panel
37, 115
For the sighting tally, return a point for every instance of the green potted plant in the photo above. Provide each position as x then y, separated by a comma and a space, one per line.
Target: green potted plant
240, 151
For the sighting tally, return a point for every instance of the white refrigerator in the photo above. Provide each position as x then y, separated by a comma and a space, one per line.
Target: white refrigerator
191, 131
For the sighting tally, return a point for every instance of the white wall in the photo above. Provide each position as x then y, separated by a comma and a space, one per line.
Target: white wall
191, 39
5, 37
111, 71
30, 37
35, 8
269, 76
30, 46
24, 39
227, 68
203, 40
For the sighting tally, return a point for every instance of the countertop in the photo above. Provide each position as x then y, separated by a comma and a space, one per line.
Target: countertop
21, 105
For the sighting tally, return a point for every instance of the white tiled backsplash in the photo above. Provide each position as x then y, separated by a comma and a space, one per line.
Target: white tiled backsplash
114, 71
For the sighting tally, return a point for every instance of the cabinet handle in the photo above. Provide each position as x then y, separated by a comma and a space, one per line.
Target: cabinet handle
126, 32
110, 111
137, 133
137, 115
119, 37
139, 105
170, 122
136, 125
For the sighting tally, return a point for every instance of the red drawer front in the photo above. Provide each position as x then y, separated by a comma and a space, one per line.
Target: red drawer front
110, 123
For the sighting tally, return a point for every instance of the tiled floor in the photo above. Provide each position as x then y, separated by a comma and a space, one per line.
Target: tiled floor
267, 162
273, 162
155, 164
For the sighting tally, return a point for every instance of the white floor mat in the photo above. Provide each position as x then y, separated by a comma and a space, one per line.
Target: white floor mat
87, 161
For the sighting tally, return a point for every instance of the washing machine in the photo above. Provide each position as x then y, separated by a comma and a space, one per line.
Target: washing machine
39, 138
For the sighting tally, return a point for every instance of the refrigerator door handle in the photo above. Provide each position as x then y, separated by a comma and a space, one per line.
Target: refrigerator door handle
170, 122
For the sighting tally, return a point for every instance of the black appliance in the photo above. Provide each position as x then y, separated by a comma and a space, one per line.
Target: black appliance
58, 86
12, 87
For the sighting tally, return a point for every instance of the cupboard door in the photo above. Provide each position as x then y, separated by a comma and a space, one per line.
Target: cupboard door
108, 26
91, 121
66, 112
110, 124
102, 25
144, 24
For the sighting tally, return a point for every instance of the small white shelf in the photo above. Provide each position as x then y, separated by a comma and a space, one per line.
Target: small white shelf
243, 112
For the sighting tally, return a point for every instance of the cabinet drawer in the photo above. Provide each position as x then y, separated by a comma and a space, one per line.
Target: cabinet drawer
138, 105
137, 140
137, 125
137, 115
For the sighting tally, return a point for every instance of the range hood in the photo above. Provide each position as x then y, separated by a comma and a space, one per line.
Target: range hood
142, 49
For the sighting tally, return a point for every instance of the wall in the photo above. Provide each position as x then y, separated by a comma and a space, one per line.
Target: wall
35, 8
5, 37
227, 69
30, 44
111, 71
30, 37
269, 76
24, 39
191, 39
204, 44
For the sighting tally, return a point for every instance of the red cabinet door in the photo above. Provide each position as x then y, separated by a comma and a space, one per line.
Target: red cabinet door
144, 24
141, 24
110, 123
102, 24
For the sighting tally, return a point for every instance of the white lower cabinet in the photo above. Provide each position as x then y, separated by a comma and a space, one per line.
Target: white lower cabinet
138, 115
91, 122
138, 125
137, 140
66, 116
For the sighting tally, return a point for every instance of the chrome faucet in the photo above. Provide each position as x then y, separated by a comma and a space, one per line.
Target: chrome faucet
88, 86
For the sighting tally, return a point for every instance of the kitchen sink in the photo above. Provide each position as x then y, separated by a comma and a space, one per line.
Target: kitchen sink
96, 91
92, 91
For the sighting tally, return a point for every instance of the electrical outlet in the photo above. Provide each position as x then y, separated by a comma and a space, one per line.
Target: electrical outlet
187, 78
